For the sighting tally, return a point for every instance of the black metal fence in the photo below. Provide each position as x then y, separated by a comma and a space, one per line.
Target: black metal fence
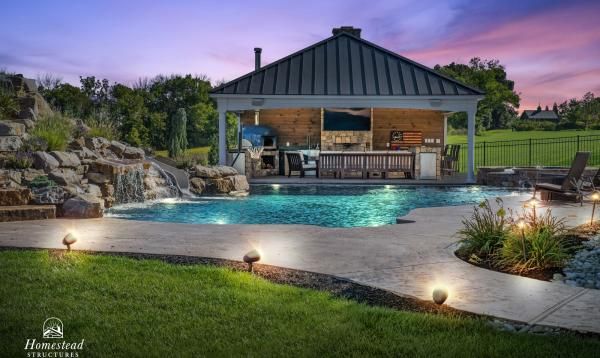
531, 152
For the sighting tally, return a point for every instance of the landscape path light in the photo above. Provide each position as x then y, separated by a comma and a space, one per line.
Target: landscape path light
69, 240
532, 203
250, 258
595, 198
440, 294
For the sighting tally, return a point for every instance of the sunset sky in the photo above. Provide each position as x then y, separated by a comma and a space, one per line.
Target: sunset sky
551, 49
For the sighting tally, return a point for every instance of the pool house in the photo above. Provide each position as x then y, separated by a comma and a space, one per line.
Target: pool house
344, 107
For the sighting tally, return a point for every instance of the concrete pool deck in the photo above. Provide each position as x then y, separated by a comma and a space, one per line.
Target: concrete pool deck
408, 259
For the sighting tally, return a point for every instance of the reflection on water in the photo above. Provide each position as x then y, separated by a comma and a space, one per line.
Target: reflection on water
323, 205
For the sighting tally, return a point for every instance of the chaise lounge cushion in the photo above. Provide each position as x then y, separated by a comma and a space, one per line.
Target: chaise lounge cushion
554, 188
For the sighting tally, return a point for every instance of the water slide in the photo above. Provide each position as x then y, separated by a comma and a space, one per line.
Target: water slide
179, 177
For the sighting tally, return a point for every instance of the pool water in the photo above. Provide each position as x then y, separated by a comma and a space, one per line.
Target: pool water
331, 206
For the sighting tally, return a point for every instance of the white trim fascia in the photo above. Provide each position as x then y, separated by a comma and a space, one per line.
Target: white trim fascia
441, 103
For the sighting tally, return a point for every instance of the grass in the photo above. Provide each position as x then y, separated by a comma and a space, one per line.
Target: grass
544, 153
125, 307
188, 152
507, 134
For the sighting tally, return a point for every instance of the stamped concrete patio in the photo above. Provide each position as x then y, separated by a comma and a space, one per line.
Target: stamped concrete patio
409, 259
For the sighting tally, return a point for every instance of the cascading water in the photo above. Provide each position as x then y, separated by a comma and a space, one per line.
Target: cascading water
129, 187
136, 185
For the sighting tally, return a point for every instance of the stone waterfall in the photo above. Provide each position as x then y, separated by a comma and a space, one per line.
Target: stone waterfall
137, 185
129, 187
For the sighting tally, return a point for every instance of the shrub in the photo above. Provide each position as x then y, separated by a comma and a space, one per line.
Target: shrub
534, 126
55, 129
101, 126
540, 244
21, 160
484, 232
41, 181
178, 134
543, 249
8, 105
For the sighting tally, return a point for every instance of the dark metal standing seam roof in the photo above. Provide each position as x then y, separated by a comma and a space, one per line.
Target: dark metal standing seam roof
345, 65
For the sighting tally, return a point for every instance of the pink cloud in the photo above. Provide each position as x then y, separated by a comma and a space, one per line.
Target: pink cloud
552, 56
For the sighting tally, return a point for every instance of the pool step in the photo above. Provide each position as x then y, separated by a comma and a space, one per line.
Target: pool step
27, 212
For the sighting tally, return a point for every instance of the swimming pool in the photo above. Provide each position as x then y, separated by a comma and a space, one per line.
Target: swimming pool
331, 206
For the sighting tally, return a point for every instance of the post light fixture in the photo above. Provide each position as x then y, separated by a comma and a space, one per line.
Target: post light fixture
69, 240
440, 295
522, 225
532, 203
250, 258
595, 197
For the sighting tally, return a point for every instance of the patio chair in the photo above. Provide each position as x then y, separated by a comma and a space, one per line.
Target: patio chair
296, 164
571, 184
450, 159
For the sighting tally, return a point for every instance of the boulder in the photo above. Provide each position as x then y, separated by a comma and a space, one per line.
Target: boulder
202, 171
86, 153
12, 175
32, 106
28, 175
66, 159
10, 143
97, 178
133, 153
219, 185
96, 143
197, 185
64, 176
94, 190
108, 190
49, 195
117, 147
240, 183
83, 206
225, 171
110, 169
77, 144
45, 161
11, 128
28, 123
14, 196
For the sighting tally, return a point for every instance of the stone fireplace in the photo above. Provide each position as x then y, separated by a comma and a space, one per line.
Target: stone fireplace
346, 140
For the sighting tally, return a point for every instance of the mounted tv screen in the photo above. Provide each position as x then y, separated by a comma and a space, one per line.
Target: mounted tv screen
347, 119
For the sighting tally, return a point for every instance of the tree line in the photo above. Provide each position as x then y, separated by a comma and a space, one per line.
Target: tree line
151, 112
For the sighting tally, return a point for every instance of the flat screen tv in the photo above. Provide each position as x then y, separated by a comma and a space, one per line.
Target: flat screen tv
347, 119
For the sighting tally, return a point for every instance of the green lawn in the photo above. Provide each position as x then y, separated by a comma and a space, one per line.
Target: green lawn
188, 152
125, 307
516, 149
507, 134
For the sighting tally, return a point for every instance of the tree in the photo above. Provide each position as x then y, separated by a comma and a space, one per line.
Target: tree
499, 105
178, 134
128, 112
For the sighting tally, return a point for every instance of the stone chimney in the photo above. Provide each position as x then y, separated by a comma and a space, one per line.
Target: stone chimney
347, 29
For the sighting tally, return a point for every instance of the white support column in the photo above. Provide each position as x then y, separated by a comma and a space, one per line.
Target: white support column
471, 145
222, 137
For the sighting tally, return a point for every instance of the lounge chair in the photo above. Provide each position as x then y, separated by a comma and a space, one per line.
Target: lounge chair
450, 159
296, 164
571, 184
